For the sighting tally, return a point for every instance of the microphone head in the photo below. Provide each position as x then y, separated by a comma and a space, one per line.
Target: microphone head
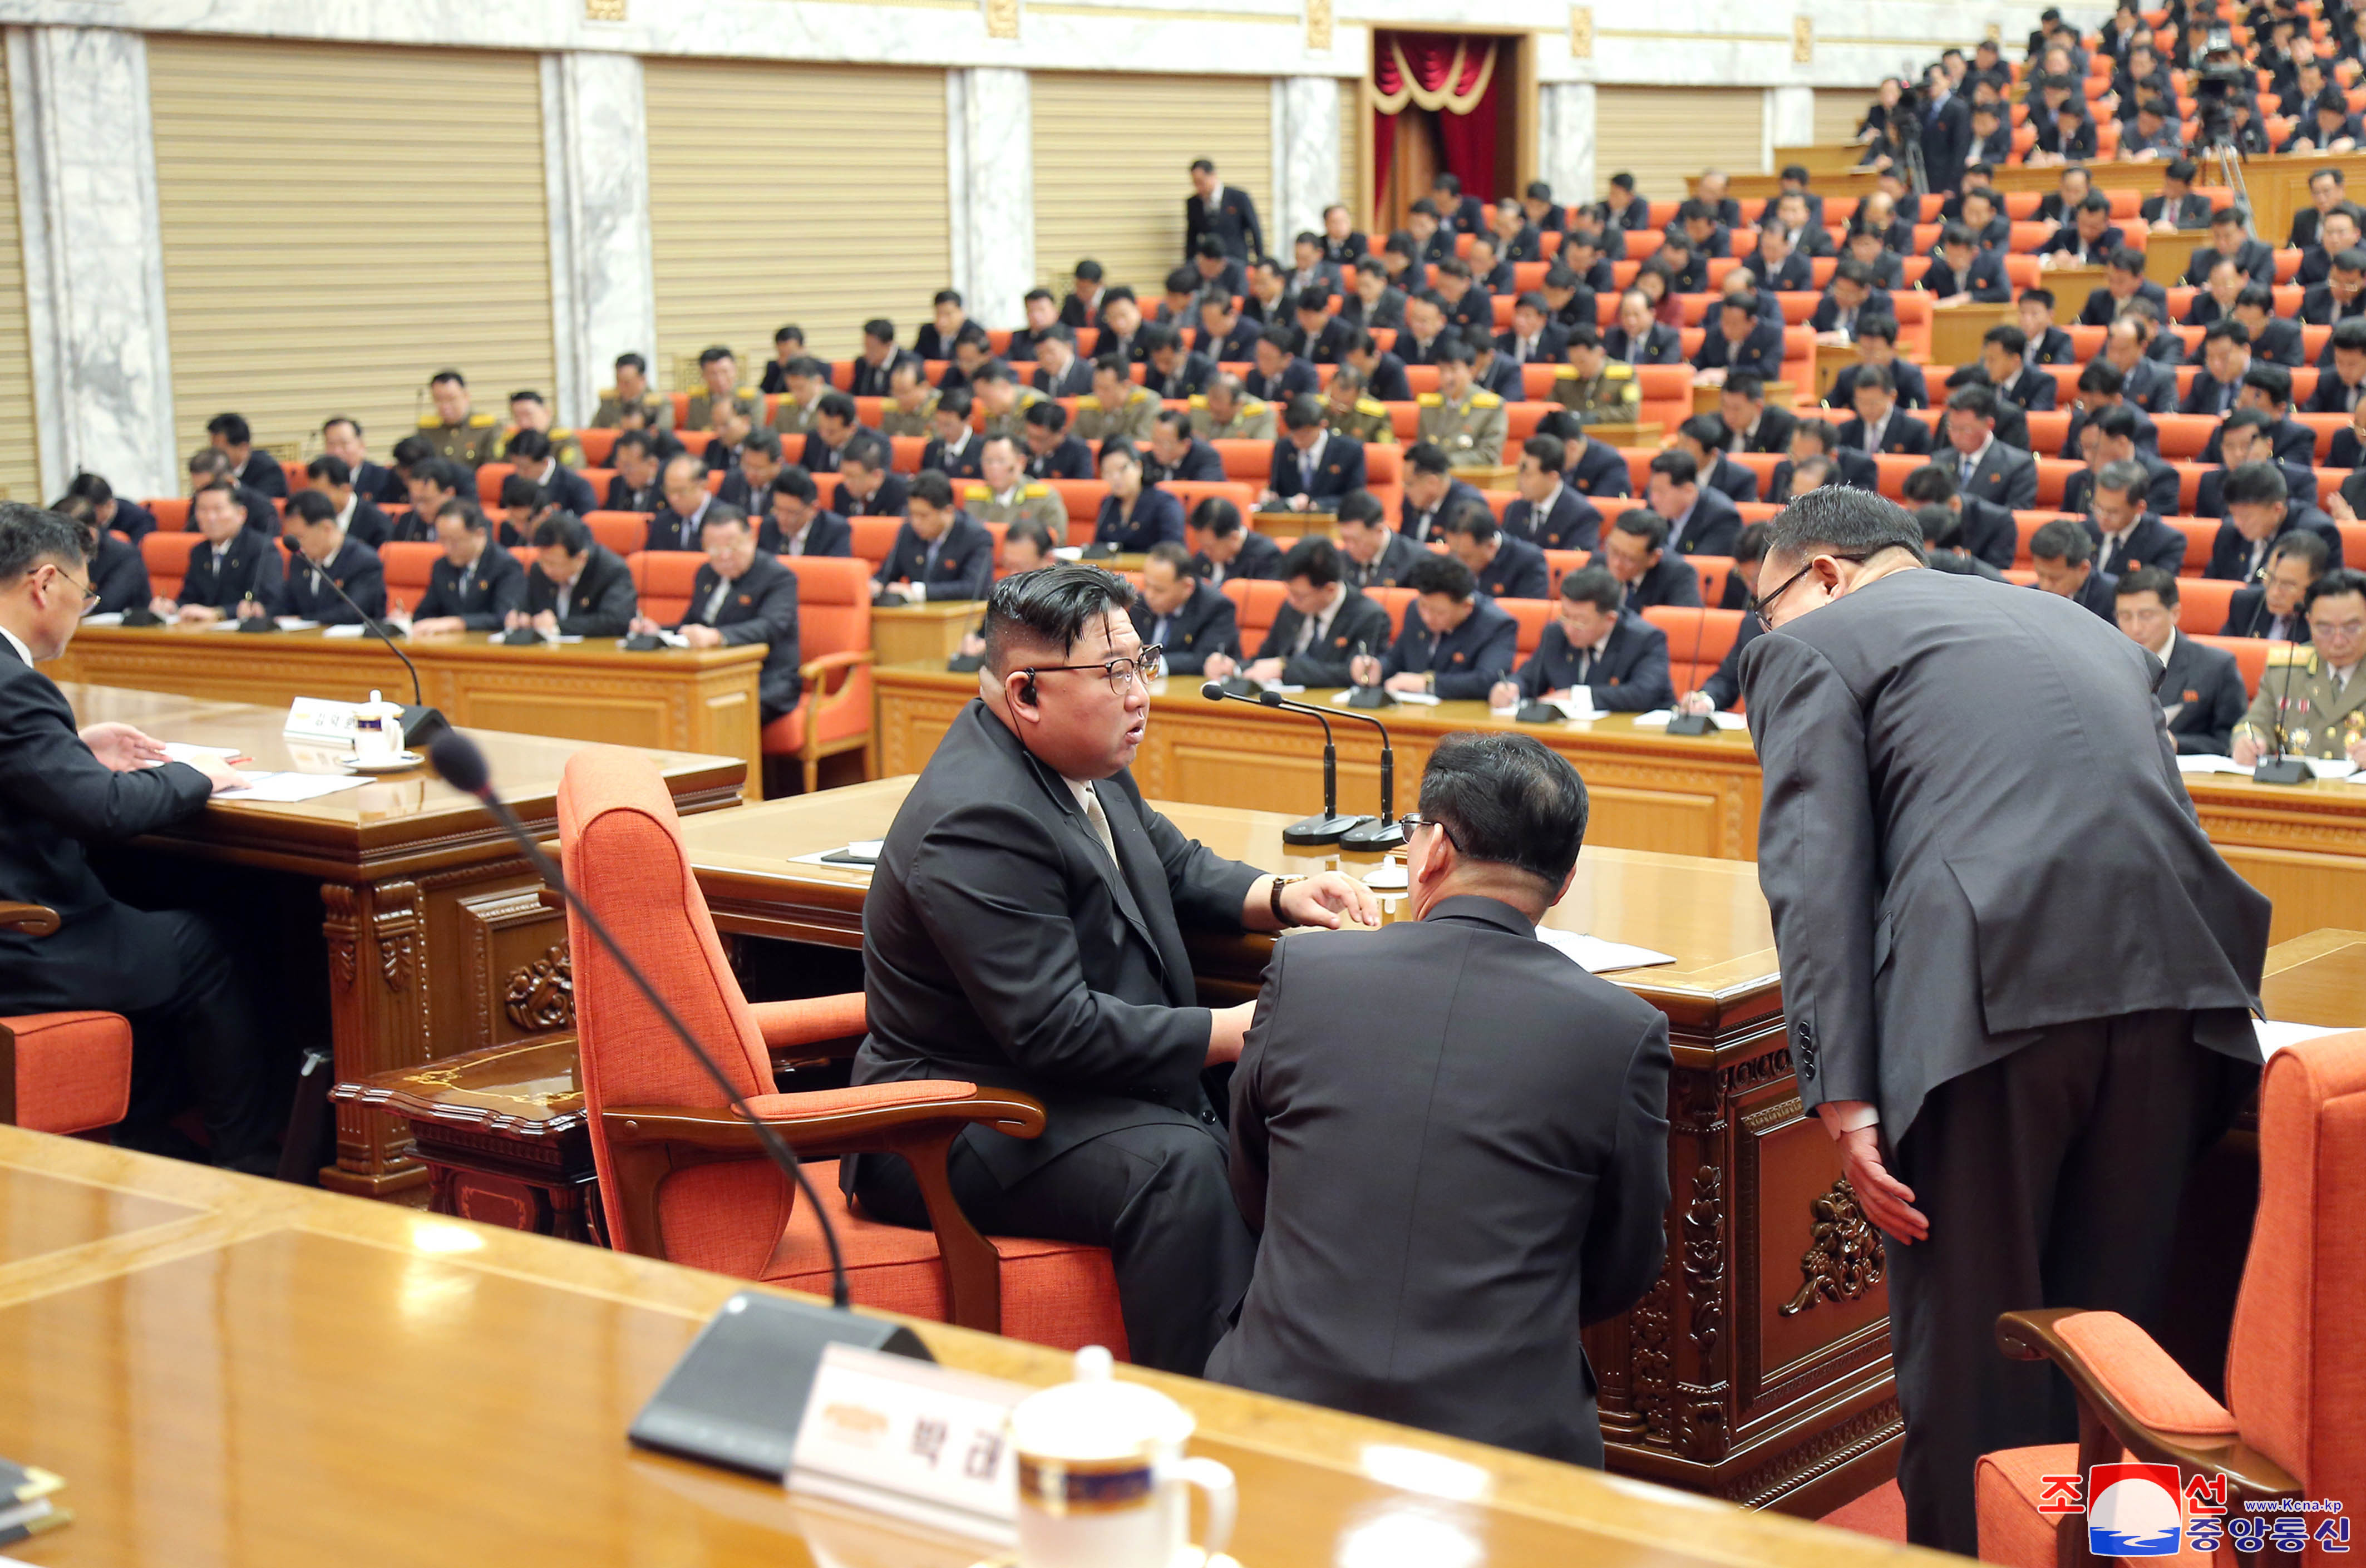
1272, 699
459, 763
1214, 690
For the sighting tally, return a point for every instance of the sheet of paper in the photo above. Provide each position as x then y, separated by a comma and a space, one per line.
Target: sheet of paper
866, 848
2275, 1036
1658, 718
298, 624
1597, 956
181, 751
345, 631
1067, 552
107, 619
289, 789
2210, 762
2333, 767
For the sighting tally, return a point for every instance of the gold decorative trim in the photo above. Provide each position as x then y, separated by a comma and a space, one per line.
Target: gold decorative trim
603, 10
1803, 40
1151, 14
1001, 18
1580, 32
1318, 25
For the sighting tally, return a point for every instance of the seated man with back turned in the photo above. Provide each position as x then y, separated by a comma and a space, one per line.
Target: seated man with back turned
1025, 929
1429, 1256
168, 972
740, 596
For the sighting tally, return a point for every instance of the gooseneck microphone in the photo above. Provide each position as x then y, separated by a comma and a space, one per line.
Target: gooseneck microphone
1312, 831
1369, 833
460, 763
421, 725
2276, 768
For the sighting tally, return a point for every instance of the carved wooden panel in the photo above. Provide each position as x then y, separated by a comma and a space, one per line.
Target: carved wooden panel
516, 956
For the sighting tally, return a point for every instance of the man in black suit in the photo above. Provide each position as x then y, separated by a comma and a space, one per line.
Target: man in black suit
1175, 453
208, 463
2123, 280
796, 524
1635, 552
2228, 241
2273, 606
1550, 514
2326, 192
866, 486
1059, 372
1230, 549
170, 973
237, 572
341, 438
258, 471
1776, 265
117, 574
1372, 1293
748, 483
1311, 467
1384, 371
1899, 880
2201, 691
1279, 372
1987, 531
1171, 370
2145, 381
1813, 438
1373, 554
2089, 238
2242, 437
1432, 493
1372, 301
2261, 510
1504, 568
1879, 426
323, 555
577, 587
1223, 211
1618, 656
1946, 130
2043, 343
1700, 521
1985, 467
1592, 467
1025, 929
1534, 337
1225, 335
530, 451
742, 596
2179, 205
1701, 438
1052, 452
954, 449
2116, 442
477, 584
2338, 232
1962, 271
2226, 356
1455, 642
1851, 296
1751, 423
940, 552
2064, 556
1639, 339
1177, 612
681, 523
635, 487
1742, 339
1323, 623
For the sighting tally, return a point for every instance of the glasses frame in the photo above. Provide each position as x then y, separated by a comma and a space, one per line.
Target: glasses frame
89, 595
1412, 822
1760, 602
1149, 664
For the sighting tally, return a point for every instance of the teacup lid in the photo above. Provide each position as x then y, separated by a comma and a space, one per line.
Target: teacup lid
376, 707
1096, 1417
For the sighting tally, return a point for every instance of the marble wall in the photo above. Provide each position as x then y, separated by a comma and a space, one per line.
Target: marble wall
1306, 155
596, 179
1565, 139
989, 167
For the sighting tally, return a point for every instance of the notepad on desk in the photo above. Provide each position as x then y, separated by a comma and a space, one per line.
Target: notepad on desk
1596, 956
863, 853
1660, 719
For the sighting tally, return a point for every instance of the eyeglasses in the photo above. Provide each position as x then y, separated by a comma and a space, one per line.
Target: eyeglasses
2321, 630
89, 594
1759, 603
1414, 822
1150, 663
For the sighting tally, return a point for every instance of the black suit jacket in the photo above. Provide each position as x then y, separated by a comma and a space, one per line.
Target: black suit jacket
1465, 663
2230, 553
354, 568
1071, 460
1541, 1115
379, 484
892, 499
482, 598
1979, 904
1902, 433
118, 575
1237, 346
54, 797
1208, 623
1761, 351
1296, 377
1630, 672
964, 567
964, 466
1573, 524
1192, 374
826, 534
1003, 946
251, 567
2078, 494
1259, 561
1199, 461
1599, 469
1339, 470
2007, 476
1388, 570
1712, 529
1663, 344
264, 474
1360, 626
602, 604
623, 497
1773, 432
1518, 571
1424, 527
1157, 519
2246, 616
1731, 480
1075, 383
2201, 693
1233, 220
760, 605
669, 530
2257, 260
1672, 581
1984, 279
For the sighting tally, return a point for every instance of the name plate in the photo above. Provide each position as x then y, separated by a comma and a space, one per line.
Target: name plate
911, 1439
318, 718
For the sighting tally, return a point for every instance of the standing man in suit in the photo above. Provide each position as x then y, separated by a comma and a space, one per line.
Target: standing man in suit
475, 587
1312, 468
1374, 1291
2201, 691
1986, 468
1618, 656
169, 972
741, 596
1947, 131
1223, 210
1322, 623
940, 552
1184, 618
1025, 929
1968, 1010
577, 587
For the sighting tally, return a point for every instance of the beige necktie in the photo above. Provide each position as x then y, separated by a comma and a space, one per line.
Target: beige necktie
1100, 820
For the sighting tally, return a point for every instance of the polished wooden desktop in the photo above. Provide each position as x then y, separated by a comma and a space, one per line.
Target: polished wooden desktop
233, 1372
432, 938
2303, 845
682, 699
1956, 330
924, 633
2319, 978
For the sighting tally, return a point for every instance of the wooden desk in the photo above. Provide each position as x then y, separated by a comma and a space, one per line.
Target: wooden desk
228, 1370
1709, 399
923, 634
1956, 330
432, 939
700, 700
1488, 475
2167, 255
1750, 1371
2319, 978
1831, 358
2303, 846
1290, 526
2070, 286
1635, 432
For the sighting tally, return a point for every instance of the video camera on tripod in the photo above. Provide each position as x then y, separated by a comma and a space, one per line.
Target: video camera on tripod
2220, 81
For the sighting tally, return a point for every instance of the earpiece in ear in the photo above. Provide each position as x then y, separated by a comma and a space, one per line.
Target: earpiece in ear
1026, 691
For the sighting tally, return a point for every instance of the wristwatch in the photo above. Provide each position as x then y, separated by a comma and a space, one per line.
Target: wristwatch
1273, 899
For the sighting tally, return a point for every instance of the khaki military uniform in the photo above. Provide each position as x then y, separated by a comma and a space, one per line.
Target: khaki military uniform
701, 413
895, 422
475, 440
656, 406
1094, 422
1367, 422
1014, 423
1253, 420
1033, 500
1615, 397
1470, 432
2319, 719
791, 417
563, 445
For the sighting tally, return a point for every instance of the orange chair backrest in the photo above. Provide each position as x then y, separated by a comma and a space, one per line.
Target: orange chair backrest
874, 538
1534, 615
1248, 460
833, 604
409, 568
663, 579
167, 557
170, 511
1257, 603
2201, 601
623, 532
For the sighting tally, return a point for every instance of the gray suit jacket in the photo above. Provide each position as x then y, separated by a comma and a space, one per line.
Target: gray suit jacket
1972, 829
1001, 946
1453, 1142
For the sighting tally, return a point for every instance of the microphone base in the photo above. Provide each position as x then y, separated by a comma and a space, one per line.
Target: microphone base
965, 663
1239, 686
1375, 834
1098, 552
2281, 770
258, 624
1314, 831
1371, 697
643, 642
422, 726
143, 616
1689, 724
521, 637
1536, 713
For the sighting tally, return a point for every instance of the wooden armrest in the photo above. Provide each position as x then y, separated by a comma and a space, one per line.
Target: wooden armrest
2107, 1423
33, 919
814, 670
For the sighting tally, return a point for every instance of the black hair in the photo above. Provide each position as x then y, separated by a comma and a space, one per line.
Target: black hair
1034, 532
1314, 559
231, 428
2062, 540
327, 469
1550, 453
2150, 580
1046, 415
837, 405
519, 490
1363, 508
1645, 524
1507, 799
311, 506
2305, 548
29, 535
1678, 466
566, 530
2272, 380
2255, 484
796, 481
1216, 517
1475, 522
2101, 375
531, 445
932, 486
2010, 338
1442, 575
2118, 422
1849, 521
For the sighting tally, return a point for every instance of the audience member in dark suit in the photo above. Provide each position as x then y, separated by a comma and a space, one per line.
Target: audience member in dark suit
1134, 515
236, 572
362, 520
1702, 439
1742, 339
1504, 568
1700, 521
212, 462
1384, 373
2226, 356
748, 483
866, 487
1230, 549
2241, 438
2260, 511
258, 471
577, 587
1550, 514
530, 451
1371, 553
1635, 551
476, 585
2064, 555
2201, 691
796, 524
1918, 1041
1988, 532
635, 487
2229, 243
2275, 607
1182, 614
1312, 468
1321, 625
953, 449
935, 339
2341, 387
1175, 453
940, 552
118, 576
1455, 642
1595, 468
1880, 425
1639, 339
324, 556
1961, 270
1618, 656
1985, 467
743, 597
1751, 423
682, 520
170, 973
1279, 372
1052, 452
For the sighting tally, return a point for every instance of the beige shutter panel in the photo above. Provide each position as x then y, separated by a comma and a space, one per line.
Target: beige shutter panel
1838, 109
780, 193
20, 460
340, 222
1664, 135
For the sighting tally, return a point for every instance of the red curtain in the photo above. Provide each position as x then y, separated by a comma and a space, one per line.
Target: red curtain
1467, 140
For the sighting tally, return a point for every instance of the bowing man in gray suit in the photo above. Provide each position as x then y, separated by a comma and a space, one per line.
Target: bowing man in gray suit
1452, 1139
2015, 974
1025, 929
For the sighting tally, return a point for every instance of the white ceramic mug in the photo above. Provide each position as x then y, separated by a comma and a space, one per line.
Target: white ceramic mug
378, 730
1102, 1475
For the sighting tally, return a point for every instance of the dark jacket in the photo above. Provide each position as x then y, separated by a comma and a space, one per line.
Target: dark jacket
1208, 623
1199, 461
669, 530
1731, 480
1388, 570
1071, 460
264, 474
2201, 693
1913, 392
2254, 257
1360, 626
2002, 888
964, 466
1158, 517
2007, 476
1712, 528
2246, 616
1984, 279
1573, 524
1429, 1257
1672, 580
760, 605
118, 575
623, 497
354, 568
826, 534
1600, 469
1339, 470
1663, 344
2150, 543
1761, 351
1630, 672
2230, 553
252, 566
1233, 219
892, 499
1423, 527
1466, 661
965, 567
2101, 310
1259, 559
2160, 496
1723, 687
482, 597
1518, 571
602, 603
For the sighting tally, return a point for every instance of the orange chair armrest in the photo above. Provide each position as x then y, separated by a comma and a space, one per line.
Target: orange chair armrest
817, 1020
843, 664
831, 1123
33, 919
2102, 1384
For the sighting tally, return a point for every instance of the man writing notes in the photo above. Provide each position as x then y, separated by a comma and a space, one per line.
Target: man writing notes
1025, 929
1450, 1178
2018, 1074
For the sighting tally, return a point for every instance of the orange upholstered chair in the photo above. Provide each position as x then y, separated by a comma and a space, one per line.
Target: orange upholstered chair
682, 1177
833, 713
61, 1072
2295, 1421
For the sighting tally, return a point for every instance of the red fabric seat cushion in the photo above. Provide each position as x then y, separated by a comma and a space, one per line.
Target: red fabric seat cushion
73, 1070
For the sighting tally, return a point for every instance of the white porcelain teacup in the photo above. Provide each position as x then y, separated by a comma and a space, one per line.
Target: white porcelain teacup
378, 730
1103, 1479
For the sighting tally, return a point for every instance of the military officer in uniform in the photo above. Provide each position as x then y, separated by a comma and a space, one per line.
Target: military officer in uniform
1006, 400
2312, 701
1225, 411
456, 430
1007, 495
1467, 425
528, 412
911, 402
1348, 411
1116, 406
721, 372
1597, 388
632, 391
